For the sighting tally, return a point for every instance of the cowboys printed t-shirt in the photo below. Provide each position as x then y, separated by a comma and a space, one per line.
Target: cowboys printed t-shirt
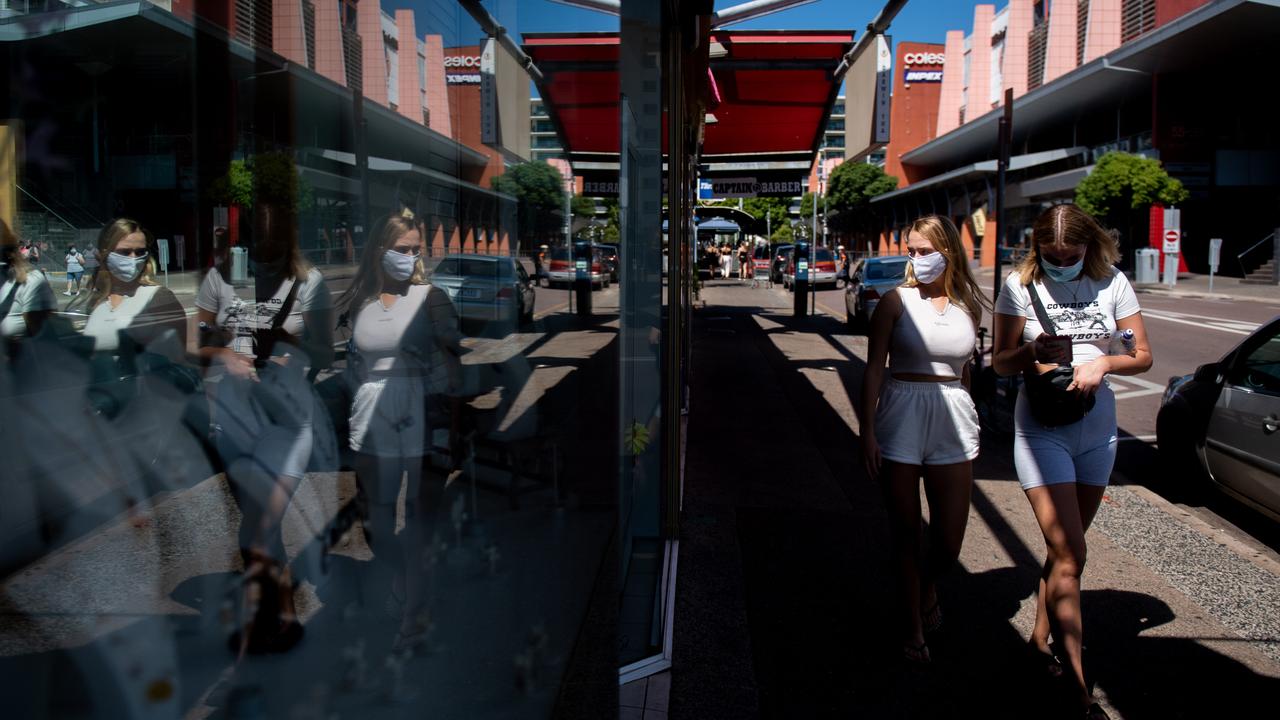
1086, 309
240, 314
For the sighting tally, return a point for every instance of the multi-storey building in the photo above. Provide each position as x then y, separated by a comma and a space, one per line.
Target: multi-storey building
1154, 77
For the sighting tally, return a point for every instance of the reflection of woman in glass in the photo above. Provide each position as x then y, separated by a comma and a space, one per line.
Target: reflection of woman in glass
127, 297
402, 334
25, 296
260, 342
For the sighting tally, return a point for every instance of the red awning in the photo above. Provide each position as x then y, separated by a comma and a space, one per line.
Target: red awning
775, 91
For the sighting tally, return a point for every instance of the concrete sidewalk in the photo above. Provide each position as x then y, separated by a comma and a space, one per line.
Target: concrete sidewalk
784, 596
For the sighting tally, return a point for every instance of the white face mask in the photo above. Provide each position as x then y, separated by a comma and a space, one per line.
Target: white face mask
125, 268
928, 268
398, 266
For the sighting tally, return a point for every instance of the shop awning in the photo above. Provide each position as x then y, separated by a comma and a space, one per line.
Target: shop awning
984, 168
718, 225
771, 93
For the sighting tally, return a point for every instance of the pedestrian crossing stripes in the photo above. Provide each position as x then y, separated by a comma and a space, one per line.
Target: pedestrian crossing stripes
1126, 387
1237, 327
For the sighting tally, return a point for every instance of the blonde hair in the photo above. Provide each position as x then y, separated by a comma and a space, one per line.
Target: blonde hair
1067, 224
21, 266
108, 239
957, 279
368, 281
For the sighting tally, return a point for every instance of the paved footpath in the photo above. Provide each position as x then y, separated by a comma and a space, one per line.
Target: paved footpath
784, 588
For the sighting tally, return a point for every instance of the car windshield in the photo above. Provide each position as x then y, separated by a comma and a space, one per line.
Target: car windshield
560, 254
824, 255
887, 270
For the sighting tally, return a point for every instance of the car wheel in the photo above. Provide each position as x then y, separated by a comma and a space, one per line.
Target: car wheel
1179, 451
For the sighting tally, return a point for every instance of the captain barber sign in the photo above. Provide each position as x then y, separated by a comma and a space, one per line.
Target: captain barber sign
916, 74
462, 69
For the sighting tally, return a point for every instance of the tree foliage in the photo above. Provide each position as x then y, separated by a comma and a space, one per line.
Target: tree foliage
850, 189
769, 212
267, 177
539, 189
805, 228
1122, 181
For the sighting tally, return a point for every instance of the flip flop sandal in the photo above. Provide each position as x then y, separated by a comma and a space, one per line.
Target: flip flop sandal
1046, 662
931, 619
916, 655
1095, 712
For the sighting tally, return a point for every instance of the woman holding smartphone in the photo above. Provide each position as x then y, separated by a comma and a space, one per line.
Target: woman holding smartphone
1068, 281
921, 421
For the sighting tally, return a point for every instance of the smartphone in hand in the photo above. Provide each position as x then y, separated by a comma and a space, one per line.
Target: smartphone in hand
1061, 348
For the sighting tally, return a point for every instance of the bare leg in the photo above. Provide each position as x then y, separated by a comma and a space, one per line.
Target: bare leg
948, 489
1088, 498
902, 499
1061, 511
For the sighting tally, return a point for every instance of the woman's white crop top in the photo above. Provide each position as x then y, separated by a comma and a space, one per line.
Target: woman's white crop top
928, 342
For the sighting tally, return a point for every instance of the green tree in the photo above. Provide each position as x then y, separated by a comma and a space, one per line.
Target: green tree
770, 212
850, 189
782, 233
805, 228
1123, 181
267, 177
1120, 191
539, 189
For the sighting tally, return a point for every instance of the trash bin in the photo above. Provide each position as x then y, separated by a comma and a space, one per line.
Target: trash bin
239, 265
1146, 266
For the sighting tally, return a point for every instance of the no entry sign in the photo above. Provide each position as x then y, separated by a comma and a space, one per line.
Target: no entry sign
1172, 241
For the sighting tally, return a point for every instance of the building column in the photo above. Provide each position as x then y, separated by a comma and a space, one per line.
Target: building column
1060, 55
437, 239
978, 101
967, 237
990, 233
410, 85
437, 90
1017, 47
373, 51
329, 62
1102, 33
951, 95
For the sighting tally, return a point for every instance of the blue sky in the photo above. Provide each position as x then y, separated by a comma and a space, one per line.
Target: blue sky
920, 20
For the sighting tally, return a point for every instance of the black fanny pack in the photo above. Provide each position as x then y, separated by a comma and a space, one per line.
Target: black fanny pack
1052, 404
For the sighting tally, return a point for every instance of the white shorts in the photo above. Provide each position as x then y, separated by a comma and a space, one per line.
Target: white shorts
1082, 452
926, 423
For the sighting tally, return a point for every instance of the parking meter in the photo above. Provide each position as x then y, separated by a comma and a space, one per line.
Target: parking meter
582, 257
801, 257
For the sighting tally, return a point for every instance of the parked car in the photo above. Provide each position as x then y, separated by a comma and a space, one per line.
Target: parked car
822, 269
612, 259
1222, 423
560, 268
781, 254
761, 260
869, 280
488, 288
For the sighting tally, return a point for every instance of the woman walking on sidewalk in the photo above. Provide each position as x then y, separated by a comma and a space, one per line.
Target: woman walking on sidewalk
1054, 320
922, 422
75, 269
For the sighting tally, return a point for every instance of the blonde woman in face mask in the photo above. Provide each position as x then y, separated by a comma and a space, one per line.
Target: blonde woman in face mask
921, 421
404, 339
127, 297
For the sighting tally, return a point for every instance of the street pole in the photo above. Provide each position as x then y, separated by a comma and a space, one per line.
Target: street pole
1005, 140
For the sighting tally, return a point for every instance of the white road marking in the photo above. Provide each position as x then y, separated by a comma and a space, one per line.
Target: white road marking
1140, 387
1220, 324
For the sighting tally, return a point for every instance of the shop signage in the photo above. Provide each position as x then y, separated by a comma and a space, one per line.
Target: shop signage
923, 59
752, 187
599, 188
922, 76
462, 69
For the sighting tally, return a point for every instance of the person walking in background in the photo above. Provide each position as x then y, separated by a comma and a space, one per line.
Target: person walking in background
922, 421
75, 269
127, 297
1054, 320
91, 265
